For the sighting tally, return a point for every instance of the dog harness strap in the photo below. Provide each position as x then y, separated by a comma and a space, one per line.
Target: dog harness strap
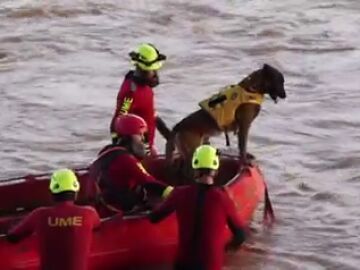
227, 140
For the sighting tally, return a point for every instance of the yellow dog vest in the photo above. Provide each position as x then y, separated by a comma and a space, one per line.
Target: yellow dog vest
222, 106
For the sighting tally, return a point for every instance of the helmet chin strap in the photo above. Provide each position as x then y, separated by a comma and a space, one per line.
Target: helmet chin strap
205, 179
140, 78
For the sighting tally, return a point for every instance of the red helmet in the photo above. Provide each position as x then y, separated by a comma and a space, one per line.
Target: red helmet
130, 124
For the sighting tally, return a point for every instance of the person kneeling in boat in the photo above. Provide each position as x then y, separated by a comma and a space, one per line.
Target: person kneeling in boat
202, 210
118, 173
64, 231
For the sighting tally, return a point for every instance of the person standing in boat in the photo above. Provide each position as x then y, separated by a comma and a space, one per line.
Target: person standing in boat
64, 231
118, 173
136, 92
203, 210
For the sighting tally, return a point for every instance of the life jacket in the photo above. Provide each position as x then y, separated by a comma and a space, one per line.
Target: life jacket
222, 106
107, 193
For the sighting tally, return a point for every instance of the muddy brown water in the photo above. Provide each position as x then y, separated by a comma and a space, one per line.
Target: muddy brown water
61, 63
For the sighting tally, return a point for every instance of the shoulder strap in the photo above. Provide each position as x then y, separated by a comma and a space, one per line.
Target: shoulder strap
99, 171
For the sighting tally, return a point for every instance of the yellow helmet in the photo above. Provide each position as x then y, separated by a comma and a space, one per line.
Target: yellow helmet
147, 57
64, 180
206, 157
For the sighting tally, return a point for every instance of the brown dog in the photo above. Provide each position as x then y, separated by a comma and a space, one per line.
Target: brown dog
233, 109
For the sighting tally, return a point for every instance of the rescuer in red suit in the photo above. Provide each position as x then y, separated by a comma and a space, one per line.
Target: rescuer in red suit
136, 92
123, 181
203, 210
64, 231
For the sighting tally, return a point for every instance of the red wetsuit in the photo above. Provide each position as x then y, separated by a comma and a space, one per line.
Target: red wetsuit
64, 234
137, 99
119, 174
202, 213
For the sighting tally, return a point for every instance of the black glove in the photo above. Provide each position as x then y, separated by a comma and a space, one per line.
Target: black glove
236, 241
233, 245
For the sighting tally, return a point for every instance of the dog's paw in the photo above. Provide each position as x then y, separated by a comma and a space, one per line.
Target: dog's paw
250, 157
245, 162
249, 163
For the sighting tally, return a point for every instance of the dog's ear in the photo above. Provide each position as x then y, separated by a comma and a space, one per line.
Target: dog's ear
272, 73
269, 70
266, 67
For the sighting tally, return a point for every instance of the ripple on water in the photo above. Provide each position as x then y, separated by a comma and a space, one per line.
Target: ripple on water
61, 64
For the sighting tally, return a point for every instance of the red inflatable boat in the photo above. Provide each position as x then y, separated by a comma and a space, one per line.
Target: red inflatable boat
130, 242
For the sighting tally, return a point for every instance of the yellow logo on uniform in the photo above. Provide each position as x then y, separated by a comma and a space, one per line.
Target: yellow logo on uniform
75, 221
126, 105
141, 167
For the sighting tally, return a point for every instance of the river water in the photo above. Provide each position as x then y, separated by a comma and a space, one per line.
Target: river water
61, 63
